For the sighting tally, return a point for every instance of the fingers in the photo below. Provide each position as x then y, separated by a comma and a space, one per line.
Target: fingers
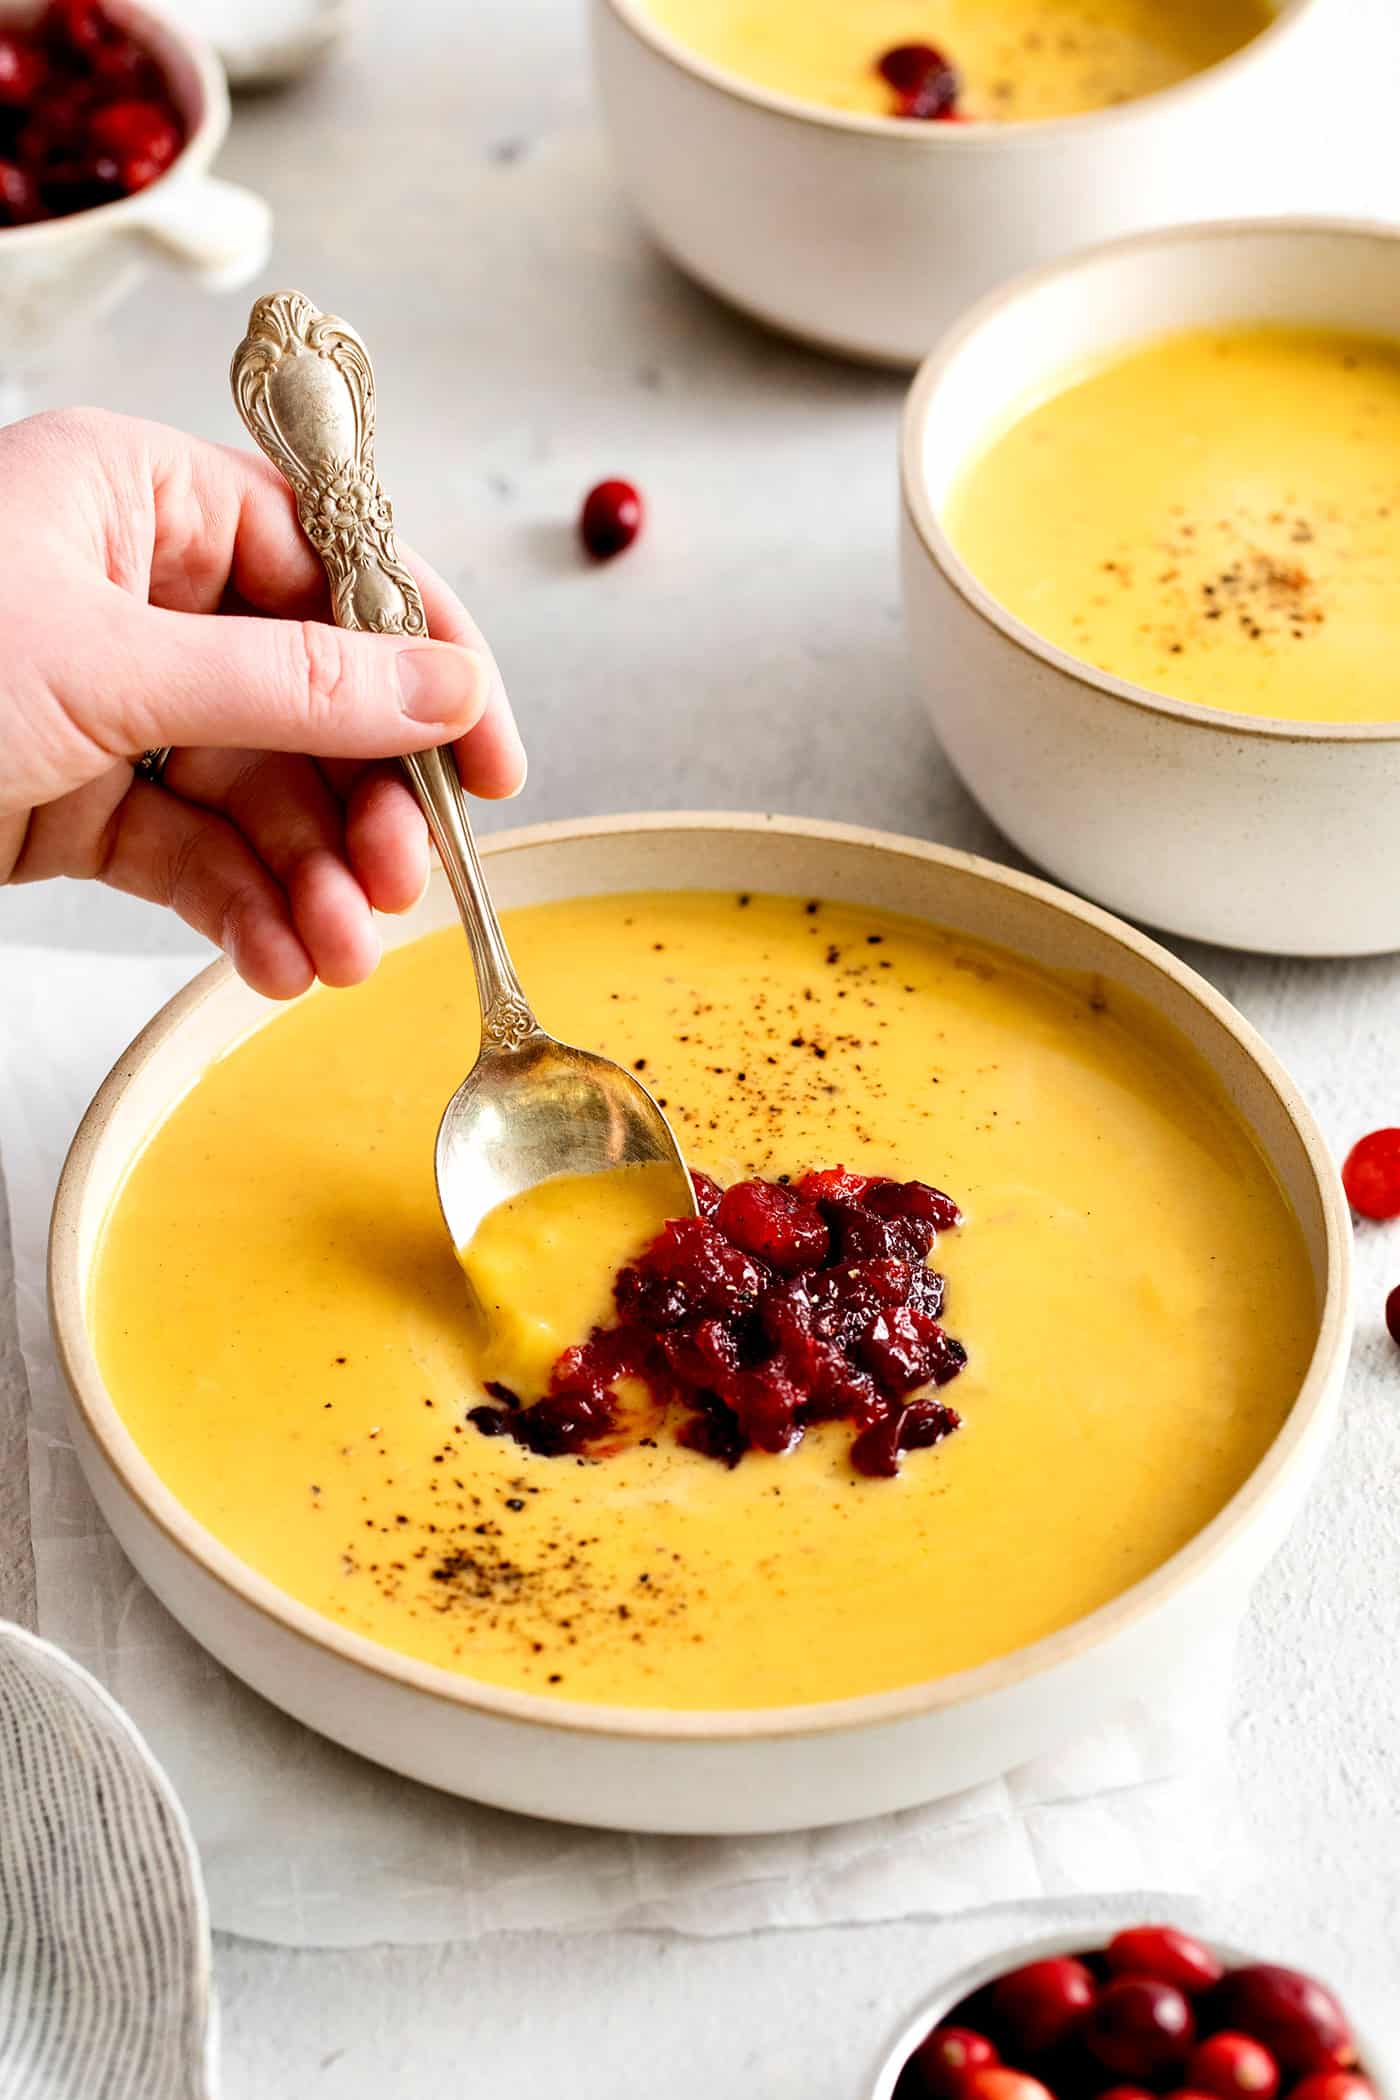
387, 841
491, 756
134, 677
170, 852
225, 519
283, 807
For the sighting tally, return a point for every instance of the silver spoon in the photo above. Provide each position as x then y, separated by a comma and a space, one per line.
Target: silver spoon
531, 1108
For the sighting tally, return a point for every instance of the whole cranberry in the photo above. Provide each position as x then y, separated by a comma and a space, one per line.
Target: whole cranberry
1392, 1314
21, 70
1126, 2092
610, 519
1334, 2085
1293, 2016
141, 136
994, 2082
19, 196
1163, 1952
1042, 2004
1139, 2027
947, 2055
1371, 1175
1233, 2067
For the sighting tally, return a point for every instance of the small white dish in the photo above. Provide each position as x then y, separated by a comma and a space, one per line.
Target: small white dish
866, 235
720, 1772
60, 275
1257, 833
956, 1988
266, 43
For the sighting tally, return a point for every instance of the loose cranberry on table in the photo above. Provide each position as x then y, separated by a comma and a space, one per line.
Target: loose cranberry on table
1163, 1952
1232, 2067
1140, 2028
1041, 2005
86, 115
1291, 2014
1371, 1175
610, 519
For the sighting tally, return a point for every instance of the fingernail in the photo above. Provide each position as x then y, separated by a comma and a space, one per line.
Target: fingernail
441, 685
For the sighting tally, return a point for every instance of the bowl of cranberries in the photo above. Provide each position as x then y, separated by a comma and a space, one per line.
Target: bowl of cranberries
110, 116
1154, 2013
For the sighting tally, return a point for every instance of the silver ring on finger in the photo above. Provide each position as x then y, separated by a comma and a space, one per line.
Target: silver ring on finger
151, 765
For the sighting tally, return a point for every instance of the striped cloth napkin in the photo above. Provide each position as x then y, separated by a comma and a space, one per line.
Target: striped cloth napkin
104, 1932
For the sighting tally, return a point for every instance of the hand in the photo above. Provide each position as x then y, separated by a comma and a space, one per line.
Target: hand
157, 590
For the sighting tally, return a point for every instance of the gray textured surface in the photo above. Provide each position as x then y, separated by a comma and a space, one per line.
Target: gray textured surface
442, 186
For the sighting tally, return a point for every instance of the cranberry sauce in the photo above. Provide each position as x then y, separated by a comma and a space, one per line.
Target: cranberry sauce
778, 1307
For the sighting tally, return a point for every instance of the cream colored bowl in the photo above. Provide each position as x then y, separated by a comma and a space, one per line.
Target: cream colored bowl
1271, 835
705, 1771
867, 235
972, 1978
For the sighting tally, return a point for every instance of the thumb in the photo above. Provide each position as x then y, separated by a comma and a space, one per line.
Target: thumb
279, 685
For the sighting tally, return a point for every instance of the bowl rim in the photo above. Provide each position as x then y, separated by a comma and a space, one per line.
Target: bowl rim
1093, 1934
974, 135
206, 135
140, 1481
921, 515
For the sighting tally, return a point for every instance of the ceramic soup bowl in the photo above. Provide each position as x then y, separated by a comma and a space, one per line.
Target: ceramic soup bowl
867, 235
952, 1992
60, 275
713, 1771
1264, 834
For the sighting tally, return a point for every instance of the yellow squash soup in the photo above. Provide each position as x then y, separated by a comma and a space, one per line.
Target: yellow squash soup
282, 1323
1016, 60
1215, 515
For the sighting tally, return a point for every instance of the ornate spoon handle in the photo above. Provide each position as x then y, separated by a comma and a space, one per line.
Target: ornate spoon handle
304, 386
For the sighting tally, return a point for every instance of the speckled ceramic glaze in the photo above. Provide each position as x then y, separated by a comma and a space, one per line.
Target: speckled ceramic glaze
867, 236
60, 275
713, 1771
1262, 834
956, 1988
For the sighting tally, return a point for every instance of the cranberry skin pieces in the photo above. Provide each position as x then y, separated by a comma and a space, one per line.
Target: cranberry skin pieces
1294, 2017
1140, 2028
1043, 2004
1233, 2067
1168, 1955
707, 1193
945, 2057
1333, 2085
1371, 1175
775, 1223
610, 519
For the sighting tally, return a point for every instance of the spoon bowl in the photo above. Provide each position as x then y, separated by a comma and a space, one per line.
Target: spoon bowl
539, 1110
531, 1109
